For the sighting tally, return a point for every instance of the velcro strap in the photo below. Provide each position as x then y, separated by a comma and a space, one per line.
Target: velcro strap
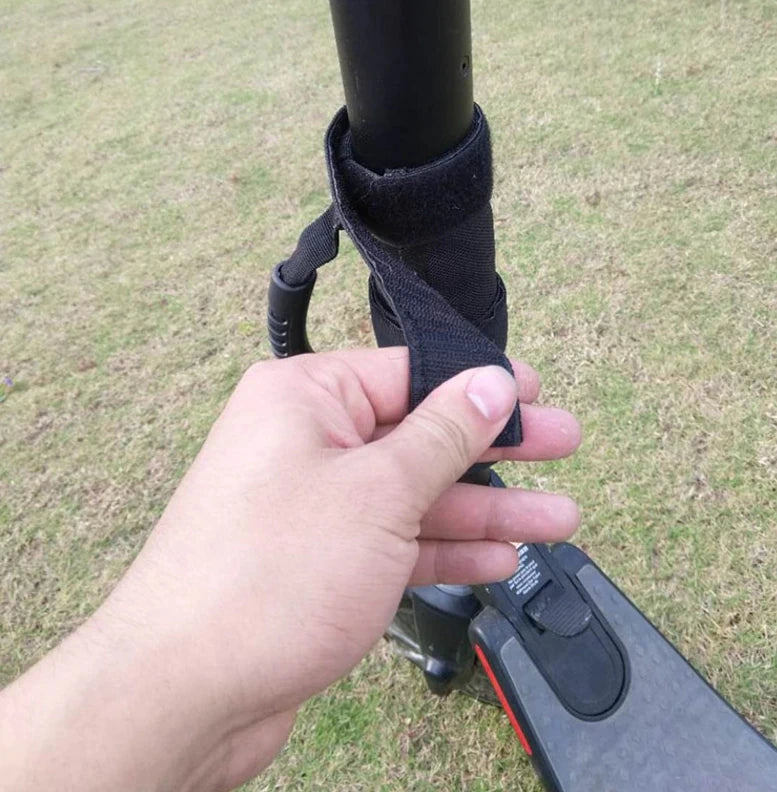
397, 219
408, 206
317, 245
441, 342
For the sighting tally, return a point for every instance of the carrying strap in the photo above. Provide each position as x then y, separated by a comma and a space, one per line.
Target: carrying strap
397, 219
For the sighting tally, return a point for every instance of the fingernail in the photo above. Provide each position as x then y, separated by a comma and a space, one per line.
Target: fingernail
493, 391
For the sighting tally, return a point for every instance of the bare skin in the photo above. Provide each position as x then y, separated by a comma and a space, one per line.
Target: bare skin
278, 563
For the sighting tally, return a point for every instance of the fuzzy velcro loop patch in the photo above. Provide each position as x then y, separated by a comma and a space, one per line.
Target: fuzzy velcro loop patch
411, 205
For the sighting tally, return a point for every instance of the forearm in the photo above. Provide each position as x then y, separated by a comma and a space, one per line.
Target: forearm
99, 713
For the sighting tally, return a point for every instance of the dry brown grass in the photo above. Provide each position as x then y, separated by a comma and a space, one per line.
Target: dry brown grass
157, 159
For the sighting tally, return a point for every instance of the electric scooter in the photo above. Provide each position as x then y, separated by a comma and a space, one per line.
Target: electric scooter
599, 699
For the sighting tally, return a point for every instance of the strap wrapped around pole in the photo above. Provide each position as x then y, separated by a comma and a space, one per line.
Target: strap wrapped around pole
427, 236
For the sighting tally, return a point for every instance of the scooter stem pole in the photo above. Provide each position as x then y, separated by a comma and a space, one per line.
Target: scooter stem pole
407, 73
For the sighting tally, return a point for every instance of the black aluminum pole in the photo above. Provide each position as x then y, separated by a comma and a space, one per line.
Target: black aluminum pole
407, 74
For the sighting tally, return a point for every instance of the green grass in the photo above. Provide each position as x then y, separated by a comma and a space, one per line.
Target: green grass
157, 160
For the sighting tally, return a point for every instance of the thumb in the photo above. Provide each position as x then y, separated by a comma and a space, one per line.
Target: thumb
437, 442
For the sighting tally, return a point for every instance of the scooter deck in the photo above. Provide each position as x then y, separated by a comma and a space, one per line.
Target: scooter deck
667, 729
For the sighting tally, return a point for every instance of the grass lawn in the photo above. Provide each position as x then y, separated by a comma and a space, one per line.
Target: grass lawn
157, 158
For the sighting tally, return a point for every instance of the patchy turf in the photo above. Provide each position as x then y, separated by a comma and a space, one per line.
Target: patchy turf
158, 158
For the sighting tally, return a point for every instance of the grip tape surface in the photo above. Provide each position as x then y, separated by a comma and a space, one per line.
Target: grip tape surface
671, 733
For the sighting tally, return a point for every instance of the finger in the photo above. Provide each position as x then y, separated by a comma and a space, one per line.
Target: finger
443, 436
548, 433
384, 375
469, 511
463, 562
528, 381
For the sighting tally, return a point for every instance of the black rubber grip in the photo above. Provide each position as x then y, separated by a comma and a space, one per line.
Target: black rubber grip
287, 312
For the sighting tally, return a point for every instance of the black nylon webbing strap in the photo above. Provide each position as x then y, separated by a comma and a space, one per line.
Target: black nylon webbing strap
435, 220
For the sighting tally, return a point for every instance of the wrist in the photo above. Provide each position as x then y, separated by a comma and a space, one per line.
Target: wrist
102, 711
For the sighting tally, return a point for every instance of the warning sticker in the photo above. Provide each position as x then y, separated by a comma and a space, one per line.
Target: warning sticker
528, 576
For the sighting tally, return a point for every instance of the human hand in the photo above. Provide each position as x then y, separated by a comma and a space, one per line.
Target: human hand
284, 552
